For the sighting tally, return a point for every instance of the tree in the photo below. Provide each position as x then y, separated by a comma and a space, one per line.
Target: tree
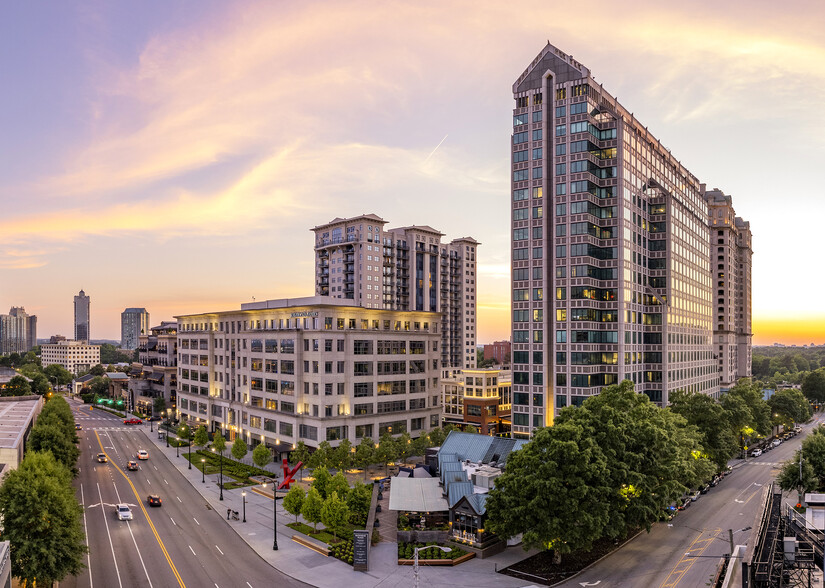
471, 429
219, 443
789, 407
56, 372
239, 448
40, 384
30, 370
545, 487
404, 446
17, 386
99, 386
48, 436
751, 395
359, 500
386, 451
335, 514
159, 405
789, 477
294, 500
31, 358
184, 431
322, 456
300, 454
342, 455
813, 386
338, 484
97, 370
364, 454
719, 440
201, 437
321, 481
311, 509
42, 520
261, 455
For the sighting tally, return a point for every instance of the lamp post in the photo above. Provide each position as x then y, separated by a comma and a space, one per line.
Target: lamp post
221, 484
167, 426
203, 471
243, 495
189, 441
415, 560
274, 513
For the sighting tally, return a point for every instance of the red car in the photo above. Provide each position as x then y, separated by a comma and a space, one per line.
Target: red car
132, 421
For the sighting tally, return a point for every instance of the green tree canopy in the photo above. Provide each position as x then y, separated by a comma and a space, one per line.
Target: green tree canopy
261, 455
387, 450
46, 436
788, 407
322, 456
300, 454
751, 395
159, 405
97, 370
59, 373
218, 442
711, 420
294, 500
311, 509
335, 514
321, 481
42, 521
99, 386
40, 384
359, 499
338, 484
17, 386
813, 474
201, 437
342, 455
239, 448
813, 386
364, 454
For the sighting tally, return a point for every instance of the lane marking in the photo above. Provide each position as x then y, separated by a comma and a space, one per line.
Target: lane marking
178, 497
248, 584
105, 520
219, 549
167, 483
193, 551
86, 530
690, 557
148, 518
196, 520
173, 521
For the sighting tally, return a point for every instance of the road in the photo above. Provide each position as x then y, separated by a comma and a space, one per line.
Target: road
183, 543
685, 552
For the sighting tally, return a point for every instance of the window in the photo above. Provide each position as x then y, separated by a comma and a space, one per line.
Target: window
520, 214
537, 173
561, 250
537, 212
561, 189
520, 234
519, 138
561, 130
537, 135
520, 156
520, 175
537, 153
561, 209
561, 149
520, 119
560, 111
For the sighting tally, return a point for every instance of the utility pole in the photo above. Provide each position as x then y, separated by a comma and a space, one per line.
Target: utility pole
799, 489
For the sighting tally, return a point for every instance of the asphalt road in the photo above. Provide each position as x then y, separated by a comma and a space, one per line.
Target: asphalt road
685, 552
183, 543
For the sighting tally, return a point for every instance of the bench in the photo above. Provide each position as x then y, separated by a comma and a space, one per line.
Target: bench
313, 545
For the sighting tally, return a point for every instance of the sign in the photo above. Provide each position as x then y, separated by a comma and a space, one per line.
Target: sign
361, 550
304, 313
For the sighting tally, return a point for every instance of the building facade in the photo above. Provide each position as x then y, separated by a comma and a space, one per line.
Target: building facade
731, 253
478, 397
75, 356
134, 322
403, 269
18, 331
82, 305
611, 277
155, 375
499, 352
310, 369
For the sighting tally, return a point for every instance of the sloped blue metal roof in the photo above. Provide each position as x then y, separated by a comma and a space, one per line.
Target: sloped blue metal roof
478, 448
457, 491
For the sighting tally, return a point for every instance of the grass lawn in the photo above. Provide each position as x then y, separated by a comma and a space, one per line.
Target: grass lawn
321, 534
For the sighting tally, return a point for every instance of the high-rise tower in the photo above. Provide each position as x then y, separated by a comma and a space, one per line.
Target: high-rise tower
81, 317
134, 322
610, 251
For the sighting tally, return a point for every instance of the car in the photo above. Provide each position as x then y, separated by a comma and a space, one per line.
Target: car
132, 421
142, 454
776, 443
694, 496
132, 465
684, 504
124, 513
153, 418
715, 481
153, 500
756, 453
77, 427
101, 458
704, 489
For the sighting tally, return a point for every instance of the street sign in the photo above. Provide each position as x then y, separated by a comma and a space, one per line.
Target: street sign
361, 550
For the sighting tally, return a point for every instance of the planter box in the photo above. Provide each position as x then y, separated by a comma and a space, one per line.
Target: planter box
438, 562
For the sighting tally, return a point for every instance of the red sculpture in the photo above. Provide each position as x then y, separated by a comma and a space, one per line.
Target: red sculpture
288, 473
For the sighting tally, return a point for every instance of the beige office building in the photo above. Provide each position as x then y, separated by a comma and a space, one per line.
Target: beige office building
731, 254
72, 355
310, 369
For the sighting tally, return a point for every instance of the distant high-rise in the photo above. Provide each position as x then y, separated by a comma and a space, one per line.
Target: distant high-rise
731, 269
611, 251
81, 317
134, 322
18, 331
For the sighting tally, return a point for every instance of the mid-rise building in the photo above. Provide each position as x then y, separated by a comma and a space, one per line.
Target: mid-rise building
82, 316
18, 331
155, 375
478, 397
310, 369
731, 255
499, 352
134, 322
75, 356
611, 276
405, 269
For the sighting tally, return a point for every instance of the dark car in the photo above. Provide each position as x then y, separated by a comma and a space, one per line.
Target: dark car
132, 421
132, 465
684, 504
153, 500
77, 427
704, 489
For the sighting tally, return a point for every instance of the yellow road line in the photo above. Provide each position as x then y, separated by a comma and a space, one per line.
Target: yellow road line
686, 562
143, 508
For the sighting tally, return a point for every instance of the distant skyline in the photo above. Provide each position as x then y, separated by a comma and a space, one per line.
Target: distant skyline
175, 156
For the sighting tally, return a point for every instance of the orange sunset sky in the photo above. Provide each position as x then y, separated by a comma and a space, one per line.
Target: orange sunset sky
175, 155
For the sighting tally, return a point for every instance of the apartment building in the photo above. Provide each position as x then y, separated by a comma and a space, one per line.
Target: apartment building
134, 322
498, 351
404, 269
75, 356
478, 397
82, 314
611, 277
731, 254
310, 369
18, 331
155, 374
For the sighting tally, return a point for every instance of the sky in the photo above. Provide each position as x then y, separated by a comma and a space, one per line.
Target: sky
174, 155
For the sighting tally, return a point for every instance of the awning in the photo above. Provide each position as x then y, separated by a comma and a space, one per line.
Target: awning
417, 495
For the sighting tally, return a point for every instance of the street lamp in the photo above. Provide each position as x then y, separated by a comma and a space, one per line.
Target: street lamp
274, 513
415, 559
221, 484
189, 441
203, 471
243, 495
166, 412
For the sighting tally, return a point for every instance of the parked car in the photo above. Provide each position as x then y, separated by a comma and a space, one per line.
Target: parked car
153, 500
715, 481
101, 458
132, 421
142, 454
756, 452
776, 443
132, 465
124, 513
694, 496
704, 489
684, 503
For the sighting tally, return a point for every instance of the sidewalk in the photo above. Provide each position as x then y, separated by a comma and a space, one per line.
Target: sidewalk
327, 572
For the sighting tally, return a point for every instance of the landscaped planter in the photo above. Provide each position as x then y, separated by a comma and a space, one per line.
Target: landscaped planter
418, 536
438, 562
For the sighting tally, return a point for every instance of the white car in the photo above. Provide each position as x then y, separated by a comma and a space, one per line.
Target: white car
142, 454
124, 513
777, 442
756, 453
